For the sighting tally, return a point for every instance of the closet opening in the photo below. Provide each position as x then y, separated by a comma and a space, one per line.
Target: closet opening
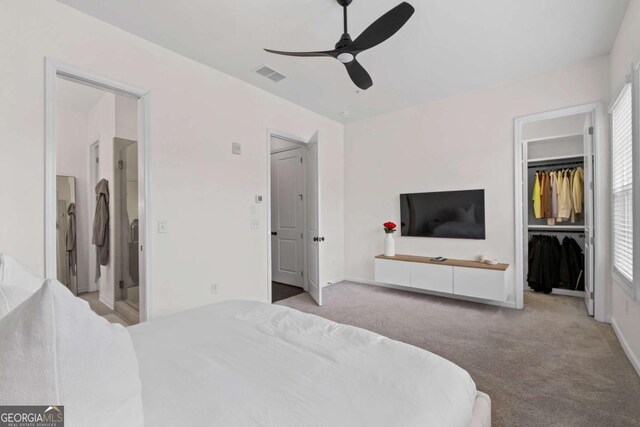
558, 223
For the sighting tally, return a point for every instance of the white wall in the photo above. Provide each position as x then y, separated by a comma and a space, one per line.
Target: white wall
625, 310
71, 160
462, 142
200, 188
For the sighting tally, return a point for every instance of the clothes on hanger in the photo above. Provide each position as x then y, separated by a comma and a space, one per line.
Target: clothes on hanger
558, 195
70, 239
555, 265
536, 197
101, 223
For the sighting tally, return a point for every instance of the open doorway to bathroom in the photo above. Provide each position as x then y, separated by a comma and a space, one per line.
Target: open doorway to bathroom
97, 160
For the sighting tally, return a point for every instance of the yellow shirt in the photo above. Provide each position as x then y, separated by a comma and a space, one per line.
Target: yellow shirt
537, 211
577, 190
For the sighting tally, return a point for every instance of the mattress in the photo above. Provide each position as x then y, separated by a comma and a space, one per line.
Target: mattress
241, 363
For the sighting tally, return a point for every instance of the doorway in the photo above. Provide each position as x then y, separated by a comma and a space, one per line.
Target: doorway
293, 206
558, 222
91, 124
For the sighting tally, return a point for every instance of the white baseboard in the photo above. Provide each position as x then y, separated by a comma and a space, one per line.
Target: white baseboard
334, 281
508, 304
626, 347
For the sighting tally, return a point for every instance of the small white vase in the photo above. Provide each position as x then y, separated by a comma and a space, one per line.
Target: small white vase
389, 245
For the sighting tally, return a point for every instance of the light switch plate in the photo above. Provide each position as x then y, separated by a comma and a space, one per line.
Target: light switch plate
236, 148
258, 198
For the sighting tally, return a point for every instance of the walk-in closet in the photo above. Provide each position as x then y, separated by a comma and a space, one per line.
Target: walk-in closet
558, 210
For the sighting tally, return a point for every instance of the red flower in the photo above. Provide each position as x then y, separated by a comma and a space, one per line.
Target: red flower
390, 225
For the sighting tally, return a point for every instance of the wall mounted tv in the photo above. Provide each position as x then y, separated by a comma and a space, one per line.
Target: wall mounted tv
447, 214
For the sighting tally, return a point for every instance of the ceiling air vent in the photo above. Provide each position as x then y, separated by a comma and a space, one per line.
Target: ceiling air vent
269, 73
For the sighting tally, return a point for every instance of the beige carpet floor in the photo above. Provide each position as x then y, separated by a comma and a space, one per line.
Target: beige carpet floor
546, 365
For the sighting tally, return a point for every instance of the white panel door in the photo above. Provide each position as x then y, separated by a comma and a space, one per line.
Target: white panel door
313, 236
588, 215
287, 217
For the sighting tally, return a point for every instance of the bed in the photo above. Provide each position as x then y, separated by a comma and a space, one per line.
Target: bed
242, 363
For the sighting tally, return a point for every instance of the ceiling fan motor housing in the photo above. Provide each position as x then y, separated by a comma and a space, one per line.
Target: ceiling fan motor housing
344, 41
344, 2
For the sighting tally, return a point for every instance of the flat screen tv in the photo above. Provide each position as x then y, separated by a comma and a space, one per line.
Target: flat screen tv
446, 214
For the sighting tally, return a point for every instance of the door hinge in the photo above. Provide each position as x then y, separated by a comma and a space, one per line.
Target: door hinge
591, 185
302, 273
300, 159
302, 235
591, 295
120, 164
300, 195
97, 159
591, 130
140, 248
121, 284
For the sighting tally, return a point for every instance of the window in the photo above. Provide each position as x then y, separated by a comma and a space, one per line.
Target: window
622, 183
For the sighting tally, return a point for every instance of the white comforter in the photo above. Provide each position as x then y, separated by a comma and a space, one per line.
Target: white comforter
243, 363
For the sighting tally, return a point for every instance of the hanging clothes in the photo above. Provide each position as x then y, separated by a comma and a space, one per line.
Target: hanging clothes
537, 212
558, 195
554, 265
101, 222
553, 183
577, 190
565, 204
70, 239
571, 265
544, 257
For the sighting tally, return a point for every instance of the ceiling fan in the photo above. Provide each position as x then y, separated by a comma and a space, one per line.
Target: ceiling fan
346, 49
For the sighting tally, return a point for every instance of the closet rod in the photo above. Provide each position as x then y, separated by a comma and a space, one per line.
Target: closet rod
565, 231
549, 165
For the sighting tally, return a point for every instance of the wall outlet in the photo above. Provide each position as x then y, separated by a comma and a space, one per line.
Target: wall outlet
255, 223
162, 227
214, 288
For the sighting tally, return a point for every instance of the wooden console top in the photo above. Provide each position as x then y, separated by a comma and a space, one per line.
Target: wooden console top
450, 262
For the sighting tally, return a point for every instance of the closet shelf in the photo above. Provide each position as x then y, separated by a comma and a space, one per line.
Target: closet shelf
576, 157
555, 227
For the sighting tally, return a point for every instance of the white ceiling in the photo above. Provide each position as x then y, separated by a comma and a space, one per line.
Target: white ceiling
77, 96
448, 46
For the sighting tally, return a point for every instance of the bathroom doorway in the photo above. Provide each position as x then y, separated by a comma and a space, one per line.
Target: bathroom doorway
97, 168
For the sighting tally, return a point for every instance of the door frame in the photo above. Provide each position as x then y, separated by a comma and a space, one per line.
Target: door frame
93, 170
303, 143
596, 109
53, 71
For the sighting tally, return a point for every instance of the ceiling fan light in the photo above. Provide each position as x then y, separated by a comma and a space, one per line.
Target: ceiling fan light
345, 57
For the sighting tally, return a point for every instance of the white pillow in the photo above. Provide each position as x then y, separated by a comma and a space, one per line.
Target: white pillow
11, 296
55, 351
12, 271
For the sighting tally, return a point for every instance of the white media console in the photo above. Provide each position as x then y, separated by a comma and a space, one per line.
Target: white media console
453, 276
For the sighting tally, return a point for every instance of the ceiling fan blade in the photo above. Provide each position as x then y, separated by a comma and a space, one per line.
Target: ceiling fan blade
359, 75
330, 53
383, 28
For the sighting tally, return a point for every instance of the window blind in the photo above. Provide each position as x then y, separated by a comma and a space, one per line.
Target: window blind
622, 177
